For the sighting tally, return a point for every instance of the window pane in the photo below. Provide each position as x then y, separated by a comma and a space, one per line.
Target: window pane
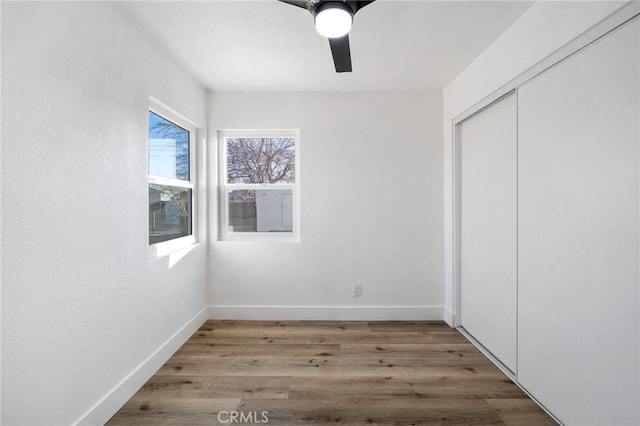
263, 210
169, 213
242, 211
260, 160
168, 149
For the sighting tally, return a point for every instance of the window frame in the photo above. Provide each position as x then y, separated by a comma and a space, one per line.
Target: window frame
166, 247
224, 188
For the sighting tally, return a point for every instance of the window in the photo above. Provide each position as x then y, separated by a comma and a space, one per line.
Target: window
259, 194
171, 177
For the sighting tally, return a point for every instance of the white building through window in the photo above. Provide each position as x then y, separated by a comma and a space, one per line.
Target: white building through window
259, 175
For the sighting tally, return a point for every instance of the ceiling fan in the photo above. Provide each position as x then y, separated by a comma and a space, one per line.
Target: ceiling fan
333, 19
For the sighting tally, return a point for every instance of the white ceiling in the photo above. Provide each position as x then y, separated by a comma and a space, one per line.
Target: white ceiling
268, 45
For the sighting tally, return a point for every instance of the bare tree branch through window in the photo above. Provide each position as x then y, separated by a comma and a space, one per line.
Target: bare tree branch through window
260, 160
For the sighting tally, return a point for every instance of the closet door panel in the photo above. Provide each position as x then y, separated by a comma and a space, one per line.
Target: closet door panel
578, 281
488, 228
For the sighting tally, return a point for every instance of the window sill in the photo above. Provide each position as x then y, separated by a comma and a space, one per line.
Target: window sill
167, 248
264, 237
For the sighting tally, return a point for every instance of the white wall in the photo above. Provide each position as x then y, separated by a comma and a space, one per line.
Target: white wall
371, 194
540, 31
82, 305
0, 211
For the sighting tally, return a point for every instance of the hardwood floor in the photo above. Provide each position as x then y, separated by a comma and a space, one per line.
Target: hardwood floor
311, 372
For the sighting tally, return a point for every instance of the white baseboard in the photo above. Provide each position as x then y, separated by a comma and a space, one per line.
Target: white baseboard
450, 317
123, 391
327, 313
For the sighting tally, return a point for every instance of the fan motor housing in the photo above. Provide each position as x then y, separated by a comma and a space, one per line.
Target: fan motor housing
323, 5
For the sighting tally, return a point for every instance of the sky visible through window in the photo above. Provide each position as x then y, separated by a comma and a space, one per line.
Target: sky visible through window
168, 149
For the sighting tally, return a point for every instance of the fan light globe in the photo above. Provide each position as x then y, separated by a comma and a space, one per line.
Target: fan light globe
333, 22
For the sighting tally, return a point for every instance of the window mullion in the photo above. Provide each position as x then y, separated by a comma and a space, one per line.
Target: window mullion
257, 187
170, 182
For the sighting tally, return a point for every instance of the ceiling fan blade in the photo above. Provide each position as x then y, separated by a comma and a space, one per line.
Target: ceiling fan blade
300, 3
341, 53
360, 4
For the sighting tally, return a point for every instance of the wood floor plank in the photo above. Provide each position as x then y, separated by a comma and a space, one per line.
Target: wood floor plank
415, 387
375, 411
408, 349
195, 350
520, 412
323, 367
377, 337
159, 387
263, 326
173, 411
319, 372
240, 367
422, 326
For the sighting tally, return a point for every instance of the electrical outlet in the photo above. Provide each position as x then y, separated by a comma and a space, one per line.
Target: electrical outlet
356, 290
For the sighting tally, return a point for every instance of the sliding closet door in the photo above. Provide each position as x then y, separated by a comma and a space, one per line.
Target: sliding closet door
488, 228
578, 287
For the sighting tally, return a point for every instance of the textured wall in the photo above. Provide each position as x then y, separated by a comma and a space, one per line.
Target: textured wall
82, 304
